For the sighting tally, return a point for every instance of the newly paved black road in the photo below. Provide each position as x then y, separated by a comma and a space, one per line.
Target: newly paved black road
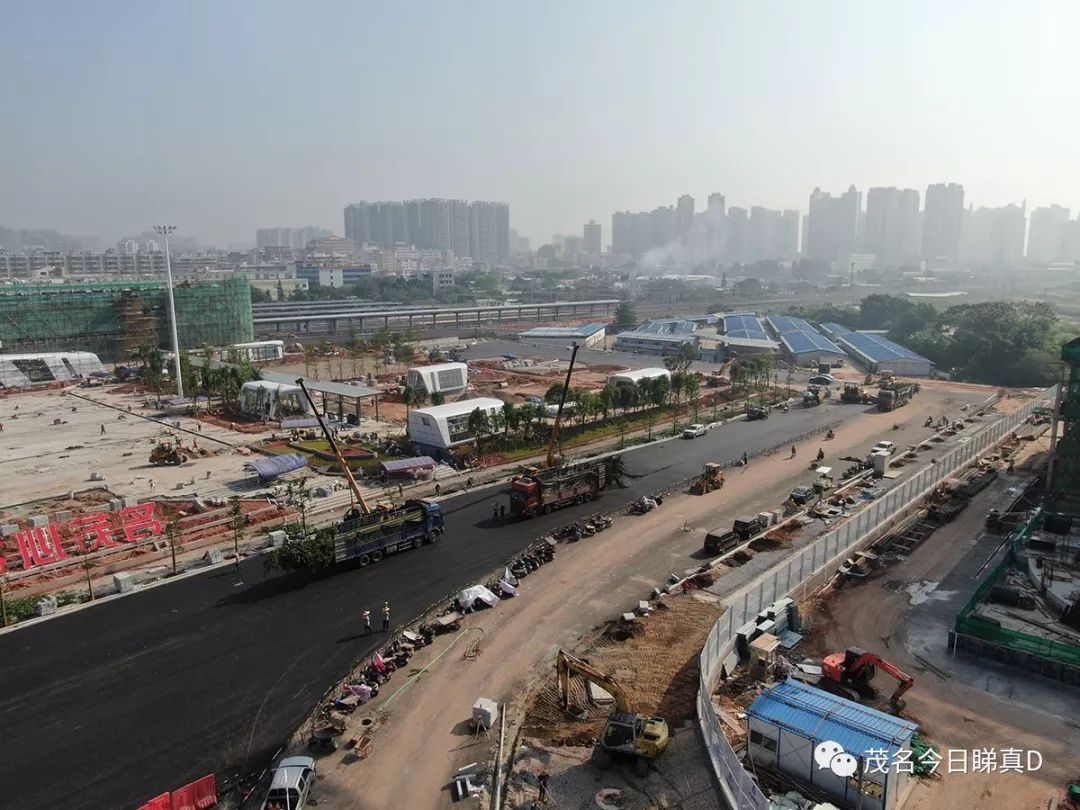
111, 705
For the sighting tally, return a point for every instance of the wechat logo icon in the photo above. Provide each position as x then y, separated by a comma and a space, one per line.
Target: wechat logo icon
830, 754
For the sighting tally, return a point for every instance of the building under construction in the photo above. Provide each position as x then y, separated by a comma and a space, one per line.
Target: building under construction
114, 319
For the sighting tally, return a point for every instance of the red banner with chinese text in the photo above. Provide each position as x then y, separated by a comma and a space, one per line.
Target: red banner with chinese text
86, 534
162, 802
198, 795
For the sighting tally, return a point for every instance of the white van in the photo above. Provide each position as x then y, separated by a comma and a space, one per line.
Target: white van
291, 784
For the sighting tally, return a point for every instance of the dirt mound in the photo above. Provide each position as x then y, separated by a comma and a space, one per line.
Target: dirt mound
656, 664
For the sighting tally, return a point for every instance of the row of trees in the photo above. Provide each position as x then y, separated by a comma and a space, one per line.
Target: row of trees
208, 380
523, 425
1011, 343
383, 343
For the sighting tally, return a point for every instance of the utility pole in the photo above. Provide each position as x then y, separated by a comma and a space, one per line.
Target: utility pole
165, 230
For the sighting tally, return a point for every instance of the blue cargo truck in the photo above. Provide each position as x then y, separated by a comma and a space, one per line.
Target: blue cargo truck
368, 538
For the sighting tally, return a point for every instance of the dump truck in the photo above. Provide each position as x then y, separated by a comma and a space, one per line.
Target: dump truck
638, 737
894, 395
543, 491
368, 538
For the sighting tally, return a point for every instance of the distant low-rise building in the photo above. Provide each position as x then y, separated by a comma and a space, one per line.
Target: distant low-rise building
585, 335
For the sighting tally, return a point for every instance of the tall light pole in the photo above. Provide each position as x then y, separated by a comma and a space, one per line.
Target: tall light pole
165, 230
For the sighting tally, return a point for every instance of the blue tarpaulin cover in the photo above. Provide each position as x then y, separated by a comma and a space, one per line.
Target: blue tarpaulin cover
273, 466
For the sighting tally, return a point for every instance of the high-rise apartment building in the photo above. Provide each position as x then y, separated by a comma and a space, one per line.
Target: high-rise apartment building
295, 238
833, 225
684, 214
892, 226
592, 236
790, 234
433, 224
716, 205
995, 235
1045, 232
941, 227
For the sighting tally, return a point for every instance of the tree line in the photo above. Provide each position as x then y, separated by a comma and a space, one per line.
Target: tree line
1007, 343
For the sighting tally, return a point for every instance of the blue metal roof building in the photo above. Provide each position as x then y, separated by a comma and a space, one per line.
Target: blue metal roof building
787, 722
588, 334
878, 353
744, 325
801, 341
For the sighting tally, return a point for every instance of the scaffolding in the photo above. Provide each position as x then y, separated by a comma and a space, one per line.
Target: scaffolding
1067, 450
115, 319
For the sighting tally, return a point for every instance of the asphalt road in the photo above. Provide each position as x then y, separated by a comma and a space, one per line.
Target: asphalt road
111, 705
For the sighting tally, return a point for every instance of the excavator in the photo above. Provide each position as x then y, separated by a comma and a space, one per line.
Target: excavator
856, 667
626, 734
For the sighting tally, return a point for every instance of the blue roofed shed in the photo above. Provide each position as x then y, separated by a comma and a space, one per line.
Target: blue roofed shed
786, 722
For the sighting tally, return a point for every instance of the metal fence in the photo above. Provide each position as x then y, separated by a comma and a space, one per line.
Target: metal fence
741, 791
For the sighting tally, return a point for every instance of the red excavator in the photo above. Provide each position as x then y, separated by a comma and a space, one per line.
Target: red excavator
856, 667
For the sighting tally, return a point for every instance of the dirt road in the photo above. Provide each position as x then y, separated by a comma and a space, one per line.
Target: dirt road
589, 582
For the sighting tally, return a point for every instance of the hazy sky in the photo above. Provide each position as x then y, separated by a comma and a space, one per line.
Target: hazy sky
227, 116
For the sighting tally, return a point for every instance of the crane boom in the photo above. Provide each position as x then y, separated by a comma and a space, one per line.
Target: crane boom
558, 414
337, 452
567, 664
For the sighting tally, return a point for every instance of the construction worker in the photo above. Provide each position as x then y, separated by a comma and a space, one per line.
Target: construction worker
793, 451
495, 516
103, 430
745, 458
386, 616
367, 622
438, 489
502, 512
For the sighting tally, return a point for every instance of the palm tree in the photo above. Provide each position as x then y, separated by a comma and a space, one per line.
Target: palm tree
691, 387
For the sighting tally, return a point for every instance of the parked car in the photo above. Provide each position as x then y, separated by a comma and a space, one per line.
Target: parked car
884, 447
534, 400
755, 412
290, 786
694, 431
822, 379
802, 494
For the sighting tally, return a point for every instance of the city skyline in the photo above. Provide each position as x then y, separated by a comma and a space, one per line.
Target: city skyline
920, 105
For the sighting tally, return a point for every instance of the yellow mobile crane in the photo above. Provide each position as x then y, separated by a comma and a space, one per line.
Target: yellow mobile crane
626, 734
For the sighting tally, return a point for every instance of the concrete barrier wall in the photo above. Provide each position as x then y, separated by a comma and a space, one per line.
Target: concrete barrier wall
812, 567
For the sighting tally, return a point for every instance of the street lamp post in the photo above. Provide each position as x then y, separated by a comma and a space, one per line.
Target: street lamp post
165, 230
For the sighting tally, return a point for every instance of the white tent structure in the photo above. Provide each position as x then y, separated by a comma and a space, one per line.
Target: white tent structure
21, 370
267, 400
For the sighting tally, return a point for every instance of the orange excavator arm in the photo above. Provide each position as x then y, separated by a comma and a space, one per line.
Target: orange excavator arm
905, 680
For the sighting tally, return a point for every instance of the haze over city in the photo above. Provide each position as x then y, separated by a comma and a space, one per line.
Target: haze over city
229, 118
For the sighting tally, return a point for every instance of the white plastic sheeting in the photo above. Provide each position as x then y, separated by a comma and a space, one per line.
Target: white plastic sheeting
477, 593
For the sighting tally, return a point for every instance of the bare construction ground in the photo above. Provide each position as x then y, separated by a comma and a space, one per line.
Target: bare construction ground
960, 702
567, 604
